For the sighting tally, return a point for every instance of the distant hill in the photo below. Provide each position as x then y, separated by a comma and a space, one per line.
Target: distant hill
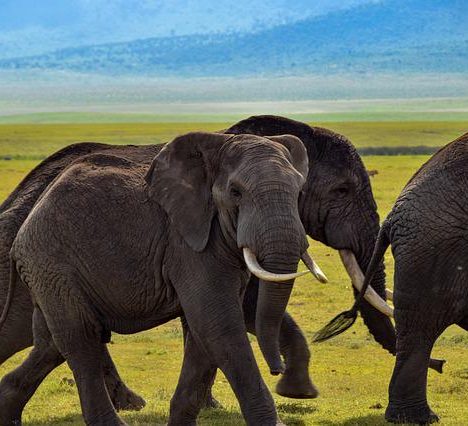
388, 36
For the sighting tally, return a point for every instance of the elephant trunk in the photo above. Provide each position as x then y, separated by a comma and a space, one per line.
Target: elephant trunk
275, 236
273, 298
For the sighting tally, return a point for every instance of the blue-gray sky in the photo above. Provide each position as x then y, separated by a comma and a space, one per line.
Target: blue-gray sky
32, 26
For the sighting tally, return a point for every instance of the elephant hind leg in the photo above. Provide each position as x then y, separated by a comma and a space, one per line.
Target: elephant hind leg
122, 397
77, 333
18, 386
16, 333
85, 360
15, 336
408, 386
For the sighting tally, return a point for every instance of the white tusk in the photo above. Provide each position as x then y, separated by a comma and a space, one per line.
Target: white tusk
314, 268
389, 294
357, 278
254, 267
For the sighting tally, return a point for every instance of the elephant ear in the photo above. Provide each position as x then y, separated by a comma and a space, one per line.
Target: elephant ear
180, 180
297, 151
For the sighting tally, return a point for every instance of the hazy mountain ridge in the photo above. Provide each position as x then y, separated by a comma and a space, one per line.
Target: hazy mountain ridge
29, 27
389, 36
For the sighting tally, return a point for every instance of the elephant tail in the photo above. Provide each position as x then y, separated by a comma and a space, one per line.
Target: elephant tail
11, 291
346, 319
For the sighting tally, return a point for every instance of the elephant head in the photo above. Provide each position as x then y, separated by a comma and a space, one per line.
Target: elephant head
336, 205
246, 187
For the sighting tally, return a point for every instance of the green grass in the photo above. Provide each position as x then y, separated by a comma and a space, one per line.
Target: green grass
35, 141
351, 371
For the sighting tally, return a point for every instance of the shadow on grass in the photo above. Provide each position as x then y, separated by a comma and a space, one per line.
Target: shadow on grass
369, 420
295, 408
77, 419
289, 414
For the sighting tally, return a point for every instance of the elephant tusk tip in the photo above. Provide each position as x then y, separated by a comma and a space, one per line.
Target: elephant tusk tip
318, 273
314, 268
321, 277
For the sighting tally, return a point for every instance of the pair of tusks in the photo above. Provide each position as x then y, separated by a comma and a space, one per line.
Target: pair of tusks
255, 268
357, 278
349, 262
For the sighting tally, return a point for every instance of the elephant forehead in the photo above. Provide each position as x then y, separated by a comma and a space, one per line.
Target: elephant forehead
250, 150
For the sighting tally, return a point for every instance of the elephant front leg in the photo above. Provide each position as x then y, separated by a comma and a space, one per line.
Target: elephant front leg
121, 396
194, 386
220, 331
295, 382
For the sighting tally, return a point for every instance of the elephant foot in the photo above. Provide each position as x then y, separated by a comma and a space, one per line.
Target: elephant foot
11, 405
211, 402
108, 421
416, 415
124, 399
298, 388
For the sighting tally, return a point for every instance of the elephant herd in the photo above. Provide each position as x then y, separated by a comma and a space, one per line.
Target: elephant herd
210, 228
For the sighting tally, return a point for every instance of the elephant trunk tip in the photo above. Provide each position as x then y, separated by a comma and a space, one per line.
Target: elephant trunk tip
277, 367
437, 365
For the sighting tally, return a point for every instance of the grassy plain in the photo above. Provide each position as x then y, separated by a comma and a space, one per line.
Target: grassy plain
35, 141
352, 371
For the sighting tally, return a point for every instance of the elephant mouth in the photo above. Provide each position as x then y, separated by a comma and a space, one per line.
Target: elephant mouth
357, 278
255, 268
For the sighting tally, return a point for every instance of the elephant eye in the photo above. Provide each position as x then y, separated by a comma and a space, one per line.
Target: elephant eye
341, 191
196, 154
235, 193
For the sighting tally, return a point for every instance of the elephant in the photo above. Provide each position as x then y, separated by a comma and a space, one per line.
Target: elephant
16, 332
337, 207
108, 248
427, 230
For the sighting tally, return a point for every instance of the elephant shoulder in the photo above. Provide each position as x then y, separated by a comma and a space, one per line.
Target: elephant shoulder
36, 181
97, 179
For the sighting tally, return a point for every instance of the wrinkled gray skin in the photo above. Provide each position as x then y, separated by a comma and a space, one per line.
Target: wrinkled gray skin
109, 249
16, 333
428, 231
338, 210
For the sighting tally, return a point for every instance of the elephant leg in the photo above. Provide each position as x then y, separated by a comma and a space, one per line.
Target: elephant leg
210, 400
15, 336
220, 333
78, 333
121, 396
194, 386
295, 382
18, 386
85, 360
16, 333
407, 390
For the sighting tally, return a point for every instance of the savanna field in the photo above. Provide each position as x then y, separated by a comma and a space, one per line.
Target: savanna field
352, 372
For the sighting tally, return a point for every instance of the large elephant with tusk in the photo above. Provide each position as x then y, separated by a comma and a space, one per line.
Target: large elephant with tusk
427, 229
110, 247
336, 207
